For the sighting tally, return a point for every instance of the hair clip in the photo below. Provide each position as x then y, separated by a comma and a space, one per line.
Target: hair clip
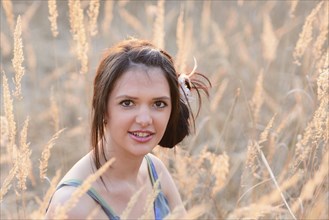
185, 84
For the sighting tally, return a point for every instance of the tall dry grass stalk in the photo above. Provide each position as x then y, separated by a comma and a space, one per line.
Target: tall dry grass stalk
184, 170
40, 212
256, 211
218, 96
323, 61
53, 14
274, 180
79, 33
269, 39
158, 26
45, 155
149, 203
316, 131
220, 39
293, 6
18, 58
54, 111
6, 184
23, 158
205, 21
60, 211
320, 178
4, 44
251, 159
264, 135
4, 132
108, 16
193, 213
220, 169
9, 115
257, 98
24, 165
274, 196
305, 37
180, 41
132, 202
321, 42
130, 19
184, 43
8, 7
93, 12
93, 213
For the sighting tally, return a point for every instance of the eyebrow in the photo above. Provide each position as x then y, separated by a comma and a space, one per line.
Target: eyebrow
135, 98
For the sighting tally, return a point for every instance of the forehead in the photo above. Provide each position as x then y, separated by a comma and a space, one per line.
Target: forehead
142, 79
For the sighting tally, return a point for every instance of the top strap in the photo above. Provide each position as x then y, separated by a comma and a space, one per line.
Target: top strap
152, 170
160, 206
93, 194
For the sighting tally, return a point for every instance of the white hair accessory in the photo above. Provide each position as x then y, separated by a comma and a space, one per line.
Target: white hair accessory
185, 84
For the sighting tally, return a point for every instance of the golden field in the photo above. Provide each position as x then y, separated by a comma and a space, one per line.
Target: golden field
259, 149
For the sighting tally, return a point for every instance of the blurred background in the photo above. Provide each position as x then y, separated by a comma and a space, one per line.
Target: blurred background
262, 131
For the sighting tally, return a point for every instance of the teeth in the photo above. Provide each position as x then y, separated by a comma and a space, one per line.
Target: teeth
140, 134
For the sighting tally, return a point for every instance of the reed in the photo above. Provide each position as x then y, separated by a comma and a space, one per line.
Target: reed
158, 26
23, 158
45, 155
79, 33
180, 39
9, 115
130, 19
18, 58
257, 98
53, 14
43, 205
60, 211
132, 202
269, 40
149, 202
108, 16
93, 12
6, 184
8, 7
306, 36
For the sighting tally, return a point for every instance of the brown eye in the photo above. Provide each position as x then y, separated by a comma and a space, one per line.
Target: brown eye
126, 103
160, 104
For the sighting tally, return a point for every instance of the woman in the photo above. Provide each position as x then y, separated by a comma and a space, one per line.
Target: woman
139, 102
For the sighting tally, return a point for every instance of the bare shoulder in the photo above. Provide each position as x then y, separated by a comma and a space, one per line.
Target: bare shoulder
159, 165
81, 169
82, 208
85, 204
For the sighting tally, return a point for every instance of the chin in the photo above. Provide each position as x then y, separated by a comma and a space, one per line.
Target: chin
140, 150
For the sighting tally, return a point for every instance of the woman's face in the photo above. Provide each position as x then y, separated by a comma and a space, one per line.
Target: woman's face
138, 111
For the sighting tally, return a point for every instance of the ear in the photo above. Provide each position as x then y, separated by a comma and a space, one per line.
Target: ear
106, 118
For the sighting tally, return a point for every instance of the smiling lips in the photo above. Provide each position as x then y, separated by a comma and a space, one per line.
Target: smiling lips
141, 136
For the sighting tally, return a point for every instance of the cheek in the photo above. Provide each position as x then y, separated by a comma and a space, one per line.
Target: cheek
166, 118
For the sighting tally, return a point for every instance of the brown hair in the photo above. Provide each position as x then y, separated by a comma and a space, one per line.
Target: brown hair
117, 60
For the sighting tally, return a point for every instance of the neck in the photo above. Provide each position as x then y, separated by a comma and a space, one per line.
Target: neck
125, 168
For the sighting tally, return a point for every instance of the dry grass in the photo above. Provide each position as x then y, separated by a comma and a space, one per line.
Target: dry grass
18, 58
53, 14
45, 155
60, 211
260, 150
78, 31
93, 12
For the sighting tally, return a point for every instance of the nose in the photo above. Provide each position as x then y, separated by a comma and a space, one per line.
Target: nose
144, 117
